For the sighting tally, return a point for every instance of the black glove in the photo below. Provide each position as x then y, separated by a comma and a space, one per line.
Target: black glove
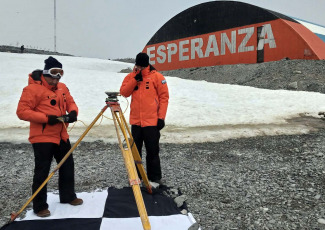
52, 119
160, 124
138, 77
70, 118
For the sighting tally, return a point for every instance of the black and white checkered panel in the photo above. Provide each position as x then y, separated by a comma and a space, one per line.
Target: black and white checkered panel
105, 210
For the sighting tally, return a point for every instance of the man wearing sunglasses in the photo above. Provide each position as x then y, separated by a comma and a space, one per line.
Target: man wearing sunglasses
42, 102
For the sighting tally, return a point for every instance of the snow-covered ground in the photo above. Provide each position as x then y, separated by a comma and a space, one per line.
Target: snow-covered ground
198, 110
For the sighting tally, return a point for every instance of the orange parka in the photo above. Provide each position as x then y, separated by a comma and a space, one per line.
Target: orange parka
38, 100
149, 97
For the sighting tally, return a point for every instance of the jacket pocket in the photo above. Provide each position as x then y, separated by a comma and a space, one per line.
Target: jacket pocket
36, 129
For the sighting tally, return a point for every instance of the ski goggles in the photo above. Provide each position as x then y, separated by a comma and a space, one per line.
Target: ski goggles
56, 73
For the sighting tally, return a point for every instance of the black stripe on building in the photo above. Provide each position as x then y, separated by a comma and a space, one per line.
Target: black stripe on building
214, 16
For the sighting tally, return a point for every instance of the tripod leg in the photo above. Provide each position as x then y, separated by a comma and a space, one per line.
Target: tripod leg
137, 157
134, 182
130, 166
138, 162
135, 153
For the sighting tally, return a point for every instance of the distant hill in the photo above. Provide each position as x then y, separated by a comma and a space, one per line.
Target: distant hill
127, 60
14, 49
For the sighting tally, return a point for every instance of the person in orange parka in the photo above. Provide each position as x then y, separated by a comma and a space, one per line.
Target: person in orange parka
148, 110
41, 103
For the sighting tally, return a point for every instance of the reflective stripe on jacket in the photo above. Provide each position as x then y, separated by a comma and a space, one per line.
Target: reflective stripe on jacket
38, 100
149, 97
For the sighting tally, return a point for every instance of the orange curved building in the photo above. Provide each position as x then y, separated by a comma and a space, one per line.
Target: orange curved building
229, 32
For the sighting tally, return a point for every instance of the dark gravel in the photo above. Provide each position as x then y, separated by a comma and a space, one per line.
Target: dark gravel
302, 75
255, 183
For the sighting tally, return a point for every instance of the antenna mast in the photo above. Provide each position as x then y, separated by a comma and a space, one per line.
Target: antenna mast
54, 25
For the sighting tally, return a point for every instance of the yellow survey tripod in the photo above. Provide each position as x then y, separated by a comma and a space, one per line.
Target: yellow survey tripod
130, 154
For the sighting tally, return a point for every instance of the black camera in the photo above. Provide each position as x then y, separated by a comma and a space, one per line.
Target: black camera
113, 94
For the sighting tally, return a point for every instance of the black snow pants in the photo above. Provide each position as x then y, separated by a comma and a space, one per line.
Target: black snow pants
150, 136
44, 153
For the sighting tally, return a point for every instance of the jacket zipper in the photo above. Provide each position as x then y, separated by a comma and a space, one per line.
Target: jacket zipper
59, 104
140, 104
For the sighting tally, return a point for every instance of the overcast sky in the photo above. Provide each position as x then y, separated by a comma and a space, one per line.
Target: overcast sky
111, 29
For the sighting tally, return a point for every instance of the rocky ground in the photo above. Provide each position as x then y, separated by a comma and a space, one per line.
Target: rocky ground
302, 75
266, 182
273, 182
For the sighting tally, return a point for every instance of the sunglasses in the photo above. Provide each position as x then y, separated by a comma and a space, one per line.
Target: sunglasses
54, 72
